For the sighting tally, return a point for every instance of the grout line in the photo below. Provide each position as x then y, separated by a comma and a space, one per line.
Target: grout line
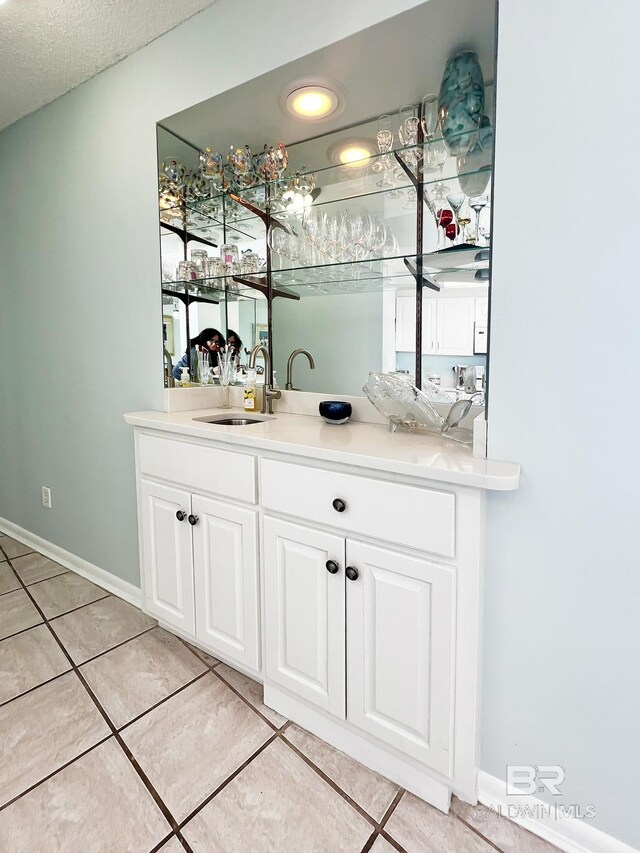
271, 725
476, 832
229, 779
370, 842
162, 701
54, 772
164, 809
161, 844
22, 630
388, 838
117, 645
73, 609
50, 578
331, 783
35, 687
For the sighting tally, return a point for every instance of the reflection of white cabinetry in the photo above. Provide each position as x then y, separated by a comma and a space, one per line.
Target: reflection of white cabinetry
447, 325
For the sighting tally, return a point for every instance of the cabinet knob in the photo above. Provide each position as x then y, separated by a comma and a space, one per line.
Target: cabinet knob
332, 567
352, 573
339, 505
181, 515
193, 520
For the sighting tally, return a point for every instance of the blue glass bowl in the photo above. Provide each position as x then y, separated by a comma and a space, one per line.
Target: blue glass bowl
335, 411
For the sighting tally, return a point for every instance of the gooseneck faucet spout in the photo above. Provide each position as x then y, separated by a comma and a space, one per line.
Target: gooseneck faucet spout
269, 394
289, 383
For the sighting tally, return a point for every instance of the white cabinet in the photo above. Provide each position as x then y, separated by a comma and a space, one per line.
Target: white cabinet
304, 613
401, 632
225, 562
405, 324
166, 551
200, 568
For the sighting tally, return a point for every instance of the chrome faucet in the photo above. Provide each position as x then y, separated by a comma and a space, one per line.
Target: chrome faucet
289, 383
269, 394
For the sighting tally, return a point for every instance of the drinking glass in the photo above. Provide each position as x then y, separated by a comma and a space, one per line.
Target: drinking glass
408, 135
384, 138
440, 156
456, 200
477, 203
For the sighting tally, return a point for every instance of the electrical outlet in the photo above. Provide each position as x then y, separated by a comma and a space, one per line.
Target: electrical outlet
46, 497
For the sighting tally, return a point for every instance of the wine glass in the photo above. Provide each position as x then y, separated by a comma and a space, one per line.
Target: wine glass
429, 119
440, 157
456, 200
477, 203
408, 134
444, 218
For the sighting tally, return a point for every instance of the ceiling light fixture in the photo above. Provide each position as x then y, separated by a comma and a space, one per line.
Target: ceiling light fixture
313, 99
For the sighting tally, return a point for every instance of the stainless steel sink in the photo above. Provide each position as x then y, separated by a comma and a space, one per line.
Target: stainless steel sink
230, 421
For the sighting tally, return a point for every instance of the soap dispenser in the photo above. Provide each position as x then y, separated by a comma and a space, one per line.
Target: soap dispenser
184, 381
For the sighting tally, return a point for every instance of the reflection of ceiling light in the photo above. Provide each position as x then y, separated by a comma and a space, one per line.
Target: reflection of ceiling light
351, 152
313, 99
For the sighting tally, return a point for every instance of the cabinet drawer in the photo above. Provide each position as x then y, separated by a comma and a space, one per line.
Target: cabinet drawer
409, 515
223, 472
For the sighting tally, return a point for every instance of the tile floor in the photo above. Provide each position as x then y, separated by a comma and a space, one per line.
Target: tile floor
117, 737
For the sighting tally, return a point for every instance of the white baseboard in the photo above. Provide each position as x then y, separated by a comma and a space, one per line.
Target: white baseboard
117, 586
568, 833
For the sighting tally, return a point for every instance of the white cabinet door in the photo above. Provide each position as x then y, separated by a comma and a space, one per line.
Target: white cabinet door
166, 555
400, 647
482, 310
429, 330
304, 613
454, 321
405, 324
225, 560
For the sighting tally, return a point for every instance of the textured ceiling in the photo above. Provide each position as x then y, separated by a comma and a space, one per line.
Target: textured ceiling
48, 47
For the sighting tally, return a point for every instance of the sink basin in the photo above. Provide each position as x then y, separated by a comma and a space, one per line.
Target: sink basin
230, 421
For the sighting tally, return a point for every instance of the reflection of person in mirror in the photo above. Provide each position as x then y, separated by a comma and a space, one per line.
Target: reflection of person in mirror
210, 341
234, 343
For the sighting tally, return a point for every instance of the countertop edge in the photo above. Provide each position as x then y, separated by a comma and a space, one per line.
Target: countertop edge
486, 481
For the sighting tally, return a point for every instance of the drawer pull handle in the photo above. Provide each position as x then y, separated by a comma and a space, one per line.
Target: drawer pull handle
352, 573
339, 505
193, 520
332, 567
180, 515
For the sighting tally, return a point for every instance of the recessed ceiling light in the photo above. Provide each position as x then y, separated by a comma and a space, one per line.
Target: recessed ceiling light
351, 152
313, 99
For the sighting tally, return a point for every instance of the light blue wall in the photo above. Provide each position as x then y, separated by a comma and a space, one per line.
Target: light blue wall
562, 631
441, 364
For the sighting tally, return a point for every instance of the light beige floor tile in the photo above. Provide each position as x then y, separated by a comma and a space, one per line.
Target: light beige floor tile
205, 656
172, 846
36, 567
192, 742
505, 834
8, 581
28, 659
252, 692
371, 791
17, 613
97, 804
277, 804
97, 627
65, 592
383, 846
420, 828
12, 548
139, 674
44, 730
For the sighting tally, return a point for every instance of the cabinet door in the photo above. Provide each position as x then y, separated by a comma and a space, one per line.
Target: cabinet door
428, 326
405, 324
304, 613
454, 323
482, 310
166, 555
225, 560
400, 629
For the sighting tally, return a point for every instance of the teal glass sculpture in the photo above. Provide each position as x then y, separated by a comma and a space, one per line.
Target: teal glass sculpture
461, 103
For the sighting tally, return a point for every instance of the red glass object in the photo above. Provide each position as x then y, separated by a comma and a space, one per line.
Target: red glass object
452, 230
444, 217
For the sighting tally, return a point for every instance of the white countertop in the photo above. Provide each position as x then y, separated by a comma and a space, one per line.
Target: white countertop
364, 445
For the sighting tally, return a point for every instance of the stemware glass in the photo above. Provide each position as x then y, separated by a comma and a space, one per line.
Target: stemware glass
464, 219
456, 200
444, 218
440, 157
384, 138
408, 134
477, 203
429, 119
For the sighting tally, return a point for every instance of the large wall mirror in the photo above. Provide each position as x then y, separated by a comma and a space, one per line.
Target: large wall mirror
362, 238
